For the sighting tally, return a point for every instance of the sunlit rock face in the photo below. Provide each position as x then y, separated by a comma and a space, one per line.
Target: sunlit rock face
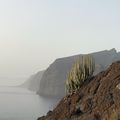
118, 86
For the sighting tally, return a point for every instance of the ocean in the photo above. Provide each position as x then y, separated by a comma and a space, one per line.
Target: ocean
21, 104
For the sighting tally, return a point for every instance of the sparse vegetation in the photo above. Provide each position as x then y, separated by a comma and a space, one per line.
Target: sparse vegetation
81, 70
114, 115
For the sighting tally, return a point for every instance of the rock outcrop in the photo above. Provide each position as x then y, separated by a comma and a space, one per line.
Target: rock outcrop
53, 80
97, 99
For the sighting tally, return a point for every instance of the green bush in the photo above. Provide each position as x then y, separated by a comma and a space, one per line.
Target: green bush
81, 70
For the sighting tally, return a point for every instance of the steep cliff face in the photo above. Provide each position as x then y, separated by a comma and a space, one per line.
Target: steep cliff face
53, 80
33, 83
97, 99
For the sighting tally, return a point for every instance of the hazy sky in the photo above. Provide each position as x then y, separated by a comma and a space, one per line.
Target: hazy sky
33, 33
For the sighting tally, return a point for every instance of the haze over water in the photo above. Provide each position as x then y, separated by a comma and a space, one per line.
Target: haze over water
33, 33
20, 104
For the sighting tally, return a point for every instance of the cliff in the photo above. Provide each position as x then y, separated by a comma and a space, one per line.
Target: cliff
53, 80
33, 83
97, 99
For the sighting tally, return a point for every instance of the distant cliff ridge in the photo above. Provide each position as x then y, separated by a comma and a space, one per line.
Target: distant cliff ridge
53, 79
33, 83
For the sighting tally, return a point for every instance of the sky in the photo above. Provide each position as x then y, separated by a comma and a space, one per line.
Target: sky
33, 33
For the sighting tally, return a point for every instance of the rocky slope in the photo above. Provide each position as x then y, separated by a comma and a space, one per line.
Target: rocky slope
33, 83
97, 99
53, 80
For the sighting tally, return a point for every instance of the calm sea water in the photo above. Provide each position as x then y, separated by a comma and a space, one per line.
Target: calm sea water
22, 104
